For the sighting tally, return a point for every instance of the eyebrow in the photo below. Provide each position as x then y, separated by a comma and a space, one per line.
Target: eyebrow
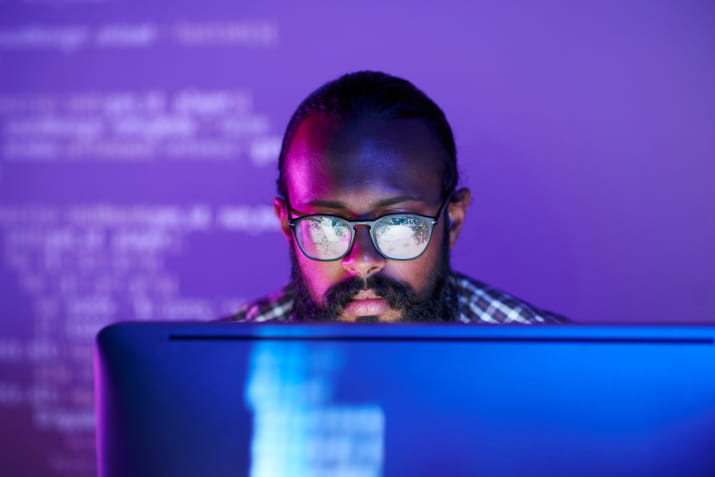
334, 204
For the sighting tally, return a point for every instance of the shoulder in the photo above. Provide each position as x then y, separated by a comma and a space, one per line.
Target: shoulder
480, 303
275, 307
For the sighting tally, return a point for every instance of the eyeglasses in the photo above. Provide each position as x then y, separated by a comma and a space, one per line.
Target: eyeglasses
325, 237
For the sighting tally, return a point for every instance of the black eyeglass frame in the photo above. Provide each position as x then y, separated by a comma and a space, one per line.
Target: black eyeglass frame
433, 220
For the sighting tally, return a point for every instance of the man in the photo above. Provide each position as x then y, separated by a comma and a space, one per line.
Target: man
369, 204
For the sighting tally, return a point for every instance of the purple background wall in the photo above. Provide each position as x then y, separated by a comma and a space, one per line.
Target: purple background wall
138, 146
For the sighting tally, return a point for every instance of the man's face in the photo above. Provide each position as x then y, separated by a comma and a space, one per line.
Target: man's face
361, 170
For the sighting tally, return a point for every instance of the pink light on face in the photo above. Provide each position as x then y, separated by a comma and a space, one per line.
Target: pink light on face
360, 170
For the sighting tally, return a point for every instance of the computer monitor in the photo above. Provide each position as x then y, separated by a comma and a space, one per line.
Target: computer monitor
219, 399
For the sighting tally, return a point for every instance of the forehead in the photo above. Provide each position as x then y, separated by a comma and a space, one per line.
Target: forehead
331, 159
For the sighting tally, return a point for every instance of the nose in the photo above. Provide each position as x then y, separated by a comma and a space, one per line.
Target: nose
363, 260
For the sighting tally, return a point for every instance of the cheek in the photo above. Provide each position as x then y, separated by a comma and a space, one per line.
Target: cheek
319, 276
419, 273
415, 273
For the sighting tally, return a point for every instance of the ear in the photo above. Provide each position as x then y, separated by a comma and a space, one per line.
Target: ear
457, 210
281, 211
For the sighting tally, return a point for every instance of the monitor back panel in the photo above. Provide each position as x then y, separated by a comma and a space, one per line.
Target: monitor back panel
260, 400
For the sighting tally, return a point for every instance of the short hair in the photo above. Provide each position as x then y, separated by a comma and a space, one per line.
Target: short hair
374, 94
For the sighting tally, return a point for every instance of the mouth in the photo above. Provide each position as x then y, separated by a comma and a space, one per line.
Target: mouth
366, 303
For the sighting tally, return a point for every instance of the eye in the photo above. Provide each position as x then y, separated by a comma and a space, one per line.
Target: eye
402, 229
326, 227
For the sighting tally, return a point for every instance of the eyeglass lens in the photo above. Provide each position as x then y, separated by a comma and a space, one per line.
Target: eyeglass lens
400, 237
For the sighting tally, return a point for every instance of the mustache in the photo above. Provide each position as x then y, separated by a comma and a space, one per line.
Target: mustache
398, 295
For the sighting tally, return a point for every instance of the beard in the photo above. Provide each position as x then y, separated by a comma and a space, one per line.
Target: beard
439, 306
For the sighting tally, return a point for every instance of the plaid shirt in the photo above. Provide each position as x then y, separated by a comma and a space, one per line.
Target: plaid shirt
478, 303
